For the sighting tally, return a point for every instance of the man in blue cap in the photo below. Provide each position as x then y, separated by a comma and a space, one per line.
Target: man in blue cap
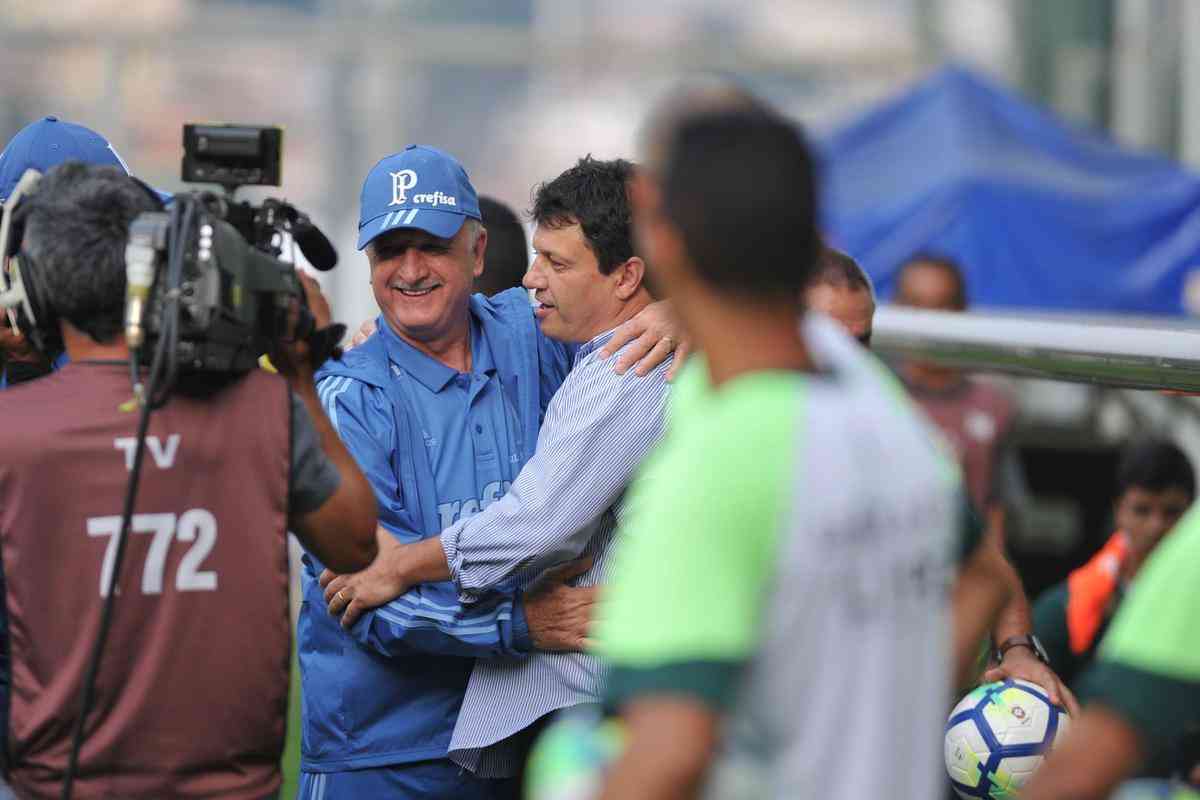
41, 145
441, 408
49, 142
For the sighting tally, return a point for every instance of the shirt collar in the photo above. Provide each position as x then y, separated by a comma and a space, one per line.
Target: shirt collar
481, 352
429, 372
594, 344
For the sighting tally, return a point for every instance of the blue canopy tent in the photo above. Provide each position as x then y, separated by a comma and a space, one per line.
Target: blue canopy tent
1040, 214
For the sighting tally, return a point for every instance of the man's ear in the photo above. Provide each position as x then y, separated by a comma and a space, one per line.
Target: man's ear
480, 250
630, 276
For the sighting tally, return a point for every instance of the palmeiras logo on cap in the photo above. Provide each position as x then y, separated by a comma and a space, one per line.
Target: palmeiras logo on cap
420, 187
402, 181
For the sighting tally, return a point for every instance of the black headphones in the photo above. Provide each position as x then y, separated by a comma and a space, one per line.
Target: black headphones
35, 315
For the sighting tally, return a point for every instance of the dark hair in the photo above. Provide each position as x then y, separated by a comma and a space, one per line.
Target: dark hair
594, 194
75, 234
835, 268
948, 266
1156, 465
740, 187
507, 255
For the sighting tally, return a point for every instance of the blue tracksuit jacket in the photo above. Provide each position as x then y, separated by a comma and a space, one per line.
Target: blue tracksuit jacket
388, 691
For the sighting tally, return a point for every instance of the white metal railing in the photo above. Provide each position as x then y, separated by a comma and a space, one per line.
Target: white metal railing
1135, 353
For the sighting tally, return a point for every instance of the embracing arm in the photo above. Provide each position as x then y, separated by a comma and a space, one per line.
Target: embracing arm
598, 429
429, 618
655, 333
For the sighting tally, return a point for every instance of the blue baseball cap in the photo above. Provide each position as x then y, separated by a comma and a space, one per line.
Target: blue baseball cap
47, 143
420, 187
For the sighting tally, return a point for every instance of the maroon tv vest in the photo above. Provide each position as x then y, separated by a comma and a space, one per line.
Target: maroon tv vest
192, 692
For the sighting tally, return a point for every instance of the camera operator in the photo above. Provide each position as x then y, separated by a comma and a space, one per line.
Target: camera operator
191, 694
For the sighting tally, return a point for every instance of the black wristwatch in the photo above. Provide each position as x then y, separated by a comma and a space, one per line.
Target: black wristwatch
1029, 641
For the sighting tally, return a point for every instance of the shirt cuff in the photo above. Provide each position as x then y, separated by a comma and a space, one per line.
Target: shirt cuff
713, 683
454, 562
520, 627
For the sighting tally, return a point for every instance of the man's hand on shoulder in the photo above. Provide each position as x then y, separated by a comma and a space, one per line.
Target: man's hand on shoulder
559, 615
655, 333
364, 332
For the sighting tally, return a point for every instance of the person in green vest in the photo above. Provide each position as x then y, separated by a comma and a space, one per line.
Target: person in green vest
1143, 688
1155, 486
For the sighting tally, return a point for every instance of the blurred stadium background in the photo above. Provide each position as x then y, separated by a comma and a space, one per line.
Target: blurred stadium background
518, 89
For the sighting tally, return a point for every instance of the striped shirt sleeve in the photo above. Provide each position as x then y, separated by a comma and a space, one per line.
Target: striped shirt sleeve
598, 428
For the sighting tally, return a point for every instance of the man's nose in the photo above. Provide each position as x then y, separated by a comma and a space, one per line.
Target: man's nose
534, 277
411, 266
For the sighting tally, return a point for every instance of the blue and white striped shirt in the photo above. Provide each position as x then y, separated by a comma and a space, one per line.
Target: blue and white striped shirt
564, 503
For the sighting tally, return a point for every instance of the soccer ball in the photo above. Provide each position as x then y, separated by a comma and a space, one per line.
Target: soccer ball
997, 735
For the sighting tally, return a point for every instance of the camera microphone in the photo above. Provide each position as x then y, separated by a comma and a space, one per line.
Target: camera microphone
315, 245
139, 279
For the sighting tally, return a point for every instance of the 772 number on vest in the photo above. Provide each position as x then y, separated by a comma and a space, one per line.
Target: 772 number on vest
197, 526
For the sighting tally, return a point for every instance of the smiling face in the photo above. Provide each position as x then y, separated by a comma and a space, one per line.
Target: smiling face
422, 283
576, 301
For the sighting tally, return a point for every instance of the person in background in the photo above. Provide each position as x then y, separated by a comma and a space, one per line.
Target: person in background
507, 255
39, 146
842, 290
1143, 687
1155, 487
762, 604
975, 416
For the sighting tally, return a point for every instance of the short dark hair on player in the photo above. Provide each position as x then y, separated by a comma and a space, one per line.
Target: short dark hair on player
740, 187
1156, 465
507, 255
837, 269
75, 235
594, 194
948, 266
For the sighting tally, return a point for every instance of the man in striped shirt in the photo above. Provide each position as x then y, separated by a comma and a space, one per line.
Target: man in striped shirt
587, 281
